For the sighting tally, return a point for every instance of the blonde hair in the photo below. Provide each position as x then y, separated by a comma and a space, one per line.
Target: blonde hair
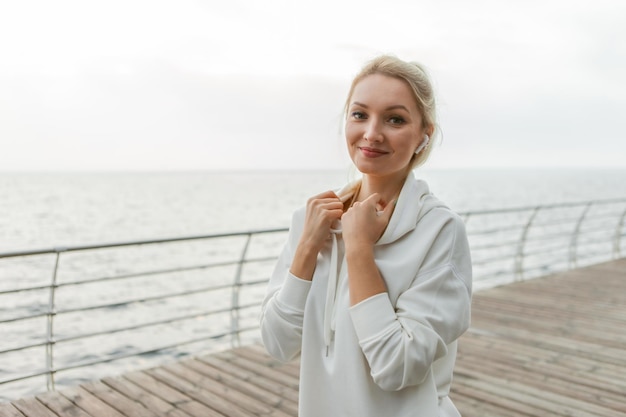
416, 77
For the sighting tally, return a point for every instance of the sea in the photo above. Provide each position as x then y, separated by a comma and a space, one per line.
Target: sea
41, 210
46, 210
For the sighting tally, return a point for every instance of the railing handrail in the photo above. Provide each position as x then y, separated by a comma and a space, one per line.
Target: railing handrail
75, 248
543, 206
506, 256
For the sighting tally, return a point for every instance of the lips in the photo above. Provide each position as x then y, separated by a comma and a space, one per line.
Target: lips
372, 152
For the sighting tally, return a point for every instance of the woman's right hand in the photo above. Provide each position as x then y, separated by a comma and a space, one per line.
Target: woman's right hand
321, 211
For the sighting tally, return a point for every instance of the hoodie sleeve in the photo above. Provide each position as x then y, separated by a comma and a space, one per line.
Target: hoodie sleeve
401, 342
282, 311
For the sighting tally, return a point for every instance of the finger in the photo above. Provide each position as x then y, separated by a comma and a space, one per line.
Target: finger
372, 200
388, 210
324, 204
325, 194
330, 205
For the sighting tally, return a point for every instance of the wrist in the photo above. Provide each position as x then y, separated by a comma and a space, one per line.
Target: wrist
359, 250
307, 249
304, 261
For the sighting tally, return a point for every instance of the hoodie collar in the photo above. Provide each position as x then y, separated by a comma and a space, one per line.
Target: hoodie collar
414, 201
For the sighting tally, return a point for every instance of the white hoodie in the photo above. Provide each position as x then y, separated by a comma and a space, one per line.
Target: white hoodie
392, 354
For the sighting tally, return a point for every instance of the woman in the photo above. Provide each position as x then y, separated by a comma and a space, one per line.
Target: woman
373, 287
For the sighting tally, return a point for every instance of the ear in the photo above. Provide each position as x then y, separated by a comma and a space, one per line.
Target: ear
430, 130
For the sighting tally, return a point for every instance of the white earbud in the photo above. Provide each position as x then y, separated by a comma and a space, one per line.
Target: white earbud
423, 144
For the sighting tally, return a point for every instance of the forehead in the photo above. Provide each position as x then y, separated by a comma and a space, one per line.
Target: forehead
379, 90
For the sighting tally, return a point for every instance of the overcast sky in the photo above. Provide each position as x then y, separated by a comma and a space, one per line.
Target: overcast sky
168, 85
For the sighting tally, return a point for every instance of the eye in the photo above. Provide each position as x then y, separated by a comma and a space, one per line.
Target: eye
358, 115
396, 120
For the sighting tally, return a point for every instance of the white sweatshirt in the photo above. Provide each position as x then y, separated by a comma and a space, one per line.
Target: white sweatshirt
393, 354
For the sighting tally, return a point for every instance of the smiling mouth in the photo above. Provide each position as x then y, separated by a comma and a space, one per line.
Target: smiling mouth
371, 152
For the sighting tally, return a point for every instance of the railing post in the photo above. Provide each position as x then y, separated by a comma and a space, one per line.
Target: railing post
617, 239
573, 246
50, 325
234, 302
519, 255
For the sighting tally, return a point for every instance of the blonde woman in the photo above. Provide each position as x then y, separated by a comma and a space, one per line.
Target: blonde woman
373, 287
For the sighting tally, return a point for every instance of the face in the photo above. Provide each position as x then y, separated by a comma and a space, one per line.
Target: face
383, 126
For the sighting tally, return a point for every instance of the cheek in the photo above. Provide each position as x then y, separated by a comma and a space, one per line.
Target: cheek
351, 134
406, 146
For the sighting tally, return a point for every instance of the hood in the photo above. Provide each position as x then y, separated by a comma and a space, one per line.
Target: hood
414, 201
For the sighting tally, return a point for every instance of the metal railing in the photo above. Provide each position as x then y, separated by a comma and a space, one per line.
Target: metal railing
78, 308
526, 242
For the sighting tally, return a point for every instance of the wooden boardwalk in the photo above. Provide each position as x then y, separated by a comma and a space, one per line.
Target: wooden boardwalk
553, 346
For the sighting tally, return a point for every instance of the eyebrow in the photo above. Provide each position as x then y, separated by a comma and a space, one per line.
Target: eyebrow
396, 106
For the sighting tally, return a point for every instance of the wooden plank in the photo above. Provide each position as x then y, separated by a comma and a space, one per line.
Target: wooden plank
287, 392
499, 359
561, 383
150, 401
61, 405
471, 407
177, 398
484, 349
267, 369
489, 398
594, 350
257, 392
224, 391
551, 305
574, 328
211, 400
553, 400
90, 403
120, 402
607, 315
33, 408
9, 410
258, 354
515, 397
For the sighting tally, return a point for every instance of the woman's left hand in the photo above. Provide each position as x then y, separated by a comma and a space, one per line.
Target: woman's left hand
365, 222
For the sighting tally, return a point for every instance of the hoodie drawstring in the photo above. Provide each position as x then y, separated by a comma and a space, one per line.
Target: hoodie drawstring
331, 293
333, 276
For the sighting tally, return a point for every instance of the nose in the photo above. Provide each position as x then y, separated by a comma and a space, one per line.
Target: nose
373, 131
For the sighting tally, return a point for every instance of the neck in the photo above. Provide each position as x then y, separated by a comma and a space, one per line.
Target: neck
388, 188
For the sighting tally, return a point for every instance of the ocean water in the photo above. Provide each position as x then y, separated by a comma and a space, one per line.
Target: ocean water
40, 210
43, 210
